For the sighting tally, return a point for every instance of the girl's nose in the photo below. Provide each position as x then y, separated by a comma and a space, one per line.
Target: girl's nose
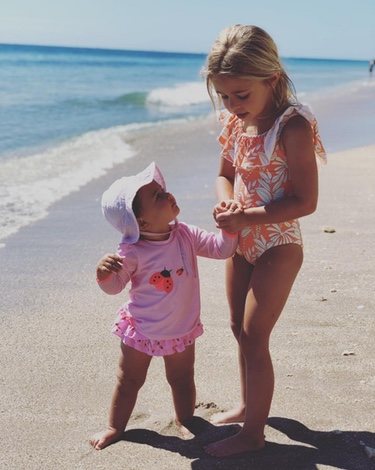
233, 104
171, 197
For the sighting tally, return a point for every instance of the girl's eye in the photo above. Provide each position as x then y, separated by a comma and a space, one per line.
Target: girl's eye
243, 97
223, 97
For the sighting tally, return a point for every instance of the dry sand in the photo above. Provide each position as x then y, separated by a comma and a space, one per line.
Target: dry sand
58, 358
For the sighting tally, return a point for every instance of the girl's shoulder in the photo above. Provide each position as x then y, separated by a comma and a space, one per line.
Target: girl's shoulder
295, 118
184, 228
128, 252
296, 110
188, 233
295, 124
230, 133
129, 257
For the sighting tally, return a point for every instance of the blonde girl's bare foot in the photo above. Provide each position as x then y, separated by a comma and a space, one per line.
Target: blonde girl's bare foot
237, 444
237, 415
105, 438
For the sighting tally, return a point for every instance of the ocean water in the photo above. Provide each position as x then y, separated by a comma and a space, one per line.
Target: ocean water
65, 113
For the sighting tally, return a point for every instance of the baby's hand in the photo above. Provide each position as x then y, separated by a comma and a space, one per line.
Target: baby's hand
230, 221
228, 205
110, 263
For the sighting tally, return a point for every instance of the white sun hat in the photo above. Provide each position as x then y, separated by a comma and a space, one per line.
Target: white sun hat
117, 201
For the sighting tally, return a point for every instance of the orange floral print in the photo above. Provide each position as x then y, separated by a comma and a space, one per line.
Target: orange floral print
262, 176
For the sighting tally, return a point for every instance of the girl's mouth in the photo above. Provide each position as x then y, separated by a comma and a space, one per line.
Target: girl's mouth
241, 115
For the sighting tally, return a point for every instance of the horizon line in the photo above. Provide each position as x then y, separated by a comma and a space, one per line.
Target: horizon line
118, 49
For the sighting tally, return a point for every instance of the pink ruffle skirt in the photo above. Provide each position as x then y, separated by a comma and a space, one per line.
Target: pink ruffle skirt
124, 328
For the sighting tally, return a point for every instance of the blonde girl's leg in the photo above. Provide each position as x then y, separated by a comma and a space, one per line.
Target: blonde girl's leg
272, 280
179, 370
238, 275
132, 371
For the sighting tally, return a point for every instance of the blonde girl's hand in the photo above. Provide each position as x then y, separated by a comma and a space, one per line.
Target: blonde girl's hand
110, 263
229, 205
231, 221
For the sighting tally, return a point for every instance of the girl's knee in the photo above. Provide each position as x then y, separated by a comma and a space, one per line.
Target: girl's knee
181, 379
254, 344
126, 381
236, 329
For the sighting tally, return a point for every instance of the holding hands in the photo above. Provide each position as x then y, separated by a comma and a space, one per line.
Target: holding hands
229, 216
110, 263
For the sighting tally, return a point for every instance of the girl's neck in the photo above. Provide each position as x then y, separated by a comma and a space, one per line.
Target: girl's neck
259, 127
263, 123
156, 235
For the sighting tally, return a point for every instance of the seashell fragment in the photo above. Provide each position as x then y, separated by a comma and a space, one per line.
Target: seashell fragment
329, 230
348, 353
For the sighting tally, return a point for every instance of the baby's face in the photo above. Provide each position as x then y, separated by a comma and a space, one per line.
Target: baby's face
158, 207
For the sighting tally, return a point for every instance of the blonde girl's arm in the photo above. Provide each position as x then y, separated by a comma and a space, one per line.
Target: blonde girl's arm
224, 188
225, 180
297, 139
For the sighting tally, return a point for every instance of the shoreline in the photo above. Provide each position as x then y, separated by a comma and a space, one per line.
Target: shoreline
59, 358
135, 145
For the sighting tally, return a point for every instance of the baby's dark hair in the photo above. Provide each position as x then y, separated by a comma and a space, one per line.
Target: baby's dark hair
136, 205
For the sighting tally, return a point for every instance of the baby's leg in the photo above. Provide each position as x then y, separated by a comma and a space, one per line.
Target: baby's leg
131, 376
179, 369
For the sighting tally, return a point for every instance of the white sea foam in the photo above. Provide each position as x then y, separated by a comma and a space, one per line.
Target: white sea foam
184, 94
29, 185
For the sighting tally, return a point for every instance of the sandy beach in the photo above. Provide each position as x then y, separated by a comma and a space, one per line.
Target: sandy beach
58, 358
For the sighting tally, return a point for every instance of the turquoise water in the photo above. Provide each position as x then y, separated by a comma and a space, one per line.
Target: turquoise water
49, 94
66, 113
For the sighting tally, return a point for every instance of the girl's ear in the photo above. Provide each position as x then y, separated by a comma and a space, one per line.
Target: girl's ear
142, 224
274, 79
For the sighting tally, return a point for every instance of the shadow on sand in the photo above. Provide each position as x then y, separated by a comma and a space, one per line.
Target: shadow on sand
337, 449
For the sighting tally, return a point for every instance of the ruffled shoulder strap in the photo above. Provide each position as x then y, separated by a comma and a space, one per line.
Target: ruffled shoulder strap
228, 134
274, 133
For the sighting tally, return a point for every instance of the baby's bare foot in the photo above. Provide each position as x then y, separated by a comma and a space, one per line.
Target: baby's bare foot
237, 415
237, 444
105, 438
184, 432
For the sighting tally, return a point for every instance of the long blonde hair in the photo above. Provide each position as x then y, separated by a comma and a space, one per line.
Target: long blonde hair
246, 51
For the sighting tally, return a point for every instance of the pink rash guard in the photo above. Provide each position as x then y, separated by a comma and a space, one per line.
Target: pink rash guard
164, 297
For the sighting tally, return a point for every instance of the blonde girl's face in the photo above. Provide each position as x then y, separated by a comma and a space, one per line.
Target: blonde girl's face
249, 99
158, 207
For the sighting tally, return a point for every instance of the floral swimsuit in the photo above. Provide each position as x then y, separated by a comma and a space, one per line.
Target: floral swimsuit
262, 176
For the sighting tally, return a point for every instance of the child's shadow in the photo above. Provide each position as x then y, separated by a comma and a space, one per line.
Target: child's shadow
202, 431
338, 449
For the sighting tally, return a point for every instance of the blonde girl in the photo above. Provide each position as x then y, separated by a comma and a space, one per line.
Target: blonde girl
267, 180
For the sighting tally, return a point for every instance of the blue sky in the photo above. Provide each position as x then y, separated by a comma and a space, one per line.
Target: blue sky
319, 28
